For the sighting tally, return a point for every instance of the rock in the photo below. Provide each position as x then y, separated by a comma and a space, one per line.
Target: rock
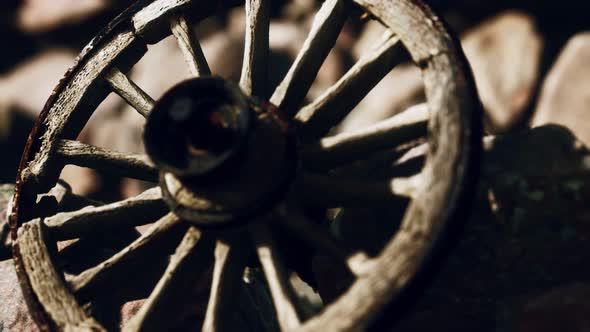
545, 151
83, 181
14, 314
561, 309
565, 95
225, 53
119, 127
371, 32
285, 41
15, 126
504, 53
489, 270
38, 76
149, 72
399, 90
537, 239
38, 15
538, 175
299, 9
6, 192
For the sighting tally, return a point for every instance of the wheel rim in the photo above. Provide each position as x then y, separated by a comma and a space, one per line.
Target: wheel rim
452, 156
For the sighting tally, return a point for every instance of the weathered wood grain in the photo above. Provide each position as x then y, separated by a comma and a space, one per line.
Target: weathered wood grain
452, 154
323, 241
153, 16
139, 210
190, 47
316, 119
130, 92
228, 275
276, 275
71, 110
114, 268
326, 27
454, 132
336, 150
130, 165
172, 295
254, 75
47, 283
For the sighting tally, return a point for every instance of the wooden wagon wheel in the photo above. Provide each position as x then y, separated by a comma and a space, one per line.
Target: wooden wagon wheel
239, 178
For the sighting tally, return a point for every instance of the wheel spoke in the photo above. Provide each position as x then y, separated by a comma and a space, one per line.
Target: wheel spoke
136, 211
334, 104
350, 146
175, 289
114, 270
130, 165
323, 241
130, 92
387, 160
325, 30
276, 275
332, 191
255, 66
190, 47
66, 200
227, 277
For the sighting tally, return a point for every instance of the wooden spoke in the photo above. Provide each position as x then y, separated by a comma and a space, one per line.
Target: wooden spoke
130, 92
136, 211
316, 119
66, 199
190, 47
51, 292
322, 240
332, 191
325, 30
175, 289
67, 114
350, 146
386, 161
255, 66
227, 278
276, 275
130, 165
115, 269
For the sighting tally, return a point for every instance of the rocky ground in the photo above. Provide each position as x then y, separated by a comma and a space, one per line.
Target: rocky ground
518, 264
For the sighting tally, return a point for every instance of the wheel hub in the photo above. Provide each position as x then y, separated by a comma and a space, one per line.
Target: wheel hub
224, 158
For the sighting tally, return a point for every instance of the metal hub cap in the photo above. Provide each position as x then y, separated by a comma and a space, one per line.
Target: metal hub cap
223, 157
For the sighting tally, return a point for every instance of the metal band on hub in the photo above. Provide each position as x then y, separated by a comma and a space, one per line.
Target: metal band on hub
224, 158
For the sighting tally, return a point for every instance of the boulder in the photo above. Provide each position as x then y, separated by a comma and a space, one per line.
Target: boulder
565, 94
6, 191
36, 16
564, 308
14, 314
504, 53
397, 91
38, 76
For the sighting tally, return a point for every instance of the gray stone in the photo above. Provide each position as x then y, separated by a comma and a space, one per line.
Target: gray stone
38, 76
565, 95
14, 315
504, 53
564, 308
398, 91
39, 15
6, 191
